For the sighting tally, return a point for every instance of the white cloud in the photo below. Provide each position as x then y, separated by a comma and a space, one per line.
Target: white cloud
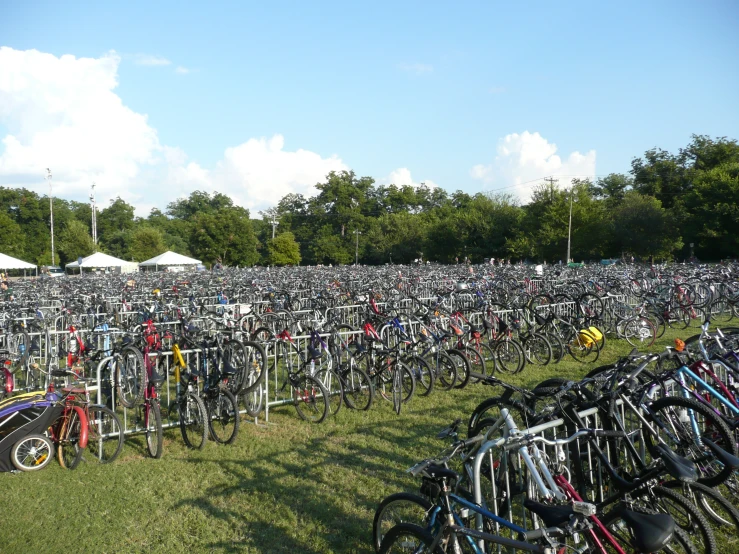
416, 68
63, 113
149, 60
182, 70
497, 90
402, 177
526, 157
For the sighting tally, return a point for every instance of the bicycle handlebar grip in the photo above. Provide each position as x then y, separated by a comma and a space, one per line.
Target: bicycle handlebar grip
613, 434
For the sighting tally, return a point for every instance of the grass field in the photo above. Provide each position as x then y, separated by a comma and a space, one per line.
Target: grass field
285, 487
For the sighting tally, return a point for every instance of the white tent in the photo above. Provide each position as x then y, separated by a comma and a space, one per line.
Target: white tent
169, 258
98, 259
8, 262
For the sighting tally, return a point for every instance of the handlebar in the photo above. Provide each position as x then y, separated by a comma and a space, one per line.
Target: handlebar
530, 439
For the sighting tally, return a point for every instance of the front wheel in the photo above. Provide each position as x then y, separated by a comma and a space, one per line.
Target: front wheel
223, 416
408, 537
192, 416
154, 431
32, 453
105, 435
398, 508
310, 398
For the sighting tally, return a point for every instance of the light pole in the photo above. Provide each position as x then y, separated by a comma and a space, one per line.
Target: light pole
569, 229
51, 215
356, 248
94, 216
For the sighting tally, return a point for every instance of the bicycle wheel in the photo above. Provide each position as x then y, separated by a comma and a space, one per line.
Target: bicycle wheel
719, 510
358, 390
154, 431
234, 361
681, 423
310, 398
406, 538
105, 435
537, 349
130, 376
192, 416
69, 451
477, 362
334, 387
686, 515
253, 402
402, 507
462, 365
510, 356
445, 369
583, 347
639, 332
256, 366
397, 387
421, 373
223, 416
32, 453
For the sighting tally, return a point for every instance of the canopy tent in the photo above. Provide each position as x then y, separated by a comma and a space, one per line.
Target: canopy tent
8, 262
99, 260
169, 258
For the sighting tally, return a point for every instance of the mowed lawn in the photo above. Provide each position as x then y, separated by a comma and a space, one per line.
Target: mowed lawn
288, 486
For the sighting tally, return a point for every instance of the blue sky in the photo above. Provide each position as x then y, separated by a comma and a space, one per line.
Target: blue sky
470, 95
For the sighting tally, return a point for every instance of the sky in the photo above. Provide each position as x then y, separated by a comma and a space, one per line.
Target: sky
153, 100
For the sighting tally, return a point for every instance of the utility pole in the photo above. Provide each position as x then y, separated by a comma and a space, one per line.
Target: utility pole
356, 248
552, 181
94, 216
569, 230
51, 215
275, 223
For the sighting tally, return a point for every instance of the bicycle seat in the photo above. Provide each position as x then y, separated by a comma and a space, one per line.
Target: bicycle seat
722, 455
550, 515
157, 378
651, 531
437, 473
680, 468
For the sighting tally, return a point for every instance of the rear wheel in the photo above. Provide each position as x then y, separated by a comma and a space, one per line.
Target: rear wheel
402, 507
105, 435
310, 398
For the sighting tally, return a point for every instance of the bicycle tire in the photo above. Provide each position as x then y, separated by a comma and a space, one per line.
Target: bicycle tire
717, 508
105, 435
32, 453
462, 365
509, 357
130, 377
334, 387
192, 418
256, 357
401, 507
358, 390
407, 537
154, 432
310, 399
680, 437
422, 374
223, 416
687, 516
253, 402
68, 450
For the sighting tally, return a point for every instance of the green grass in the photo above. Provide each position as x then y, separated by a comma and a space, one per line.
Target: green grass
285, 487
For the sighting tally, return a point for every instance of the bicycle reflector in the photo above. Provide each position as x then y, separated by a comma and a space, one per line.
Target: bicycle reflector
9, 380
679, 345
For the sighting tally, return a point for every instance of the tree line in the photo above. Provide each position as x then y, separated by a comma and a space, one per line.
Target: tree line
663, 204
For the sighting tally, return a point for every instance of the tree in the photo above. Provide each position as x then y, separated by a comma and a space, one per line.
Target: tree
226, 234
145, 243
283, 250
11, 236
74, 241
644, 228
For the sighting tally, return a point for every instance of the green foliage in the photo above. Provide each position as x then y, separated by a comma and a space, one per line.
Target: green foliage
283, 250
74, 241
644, 228
12, 240
144, 243
692, 194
